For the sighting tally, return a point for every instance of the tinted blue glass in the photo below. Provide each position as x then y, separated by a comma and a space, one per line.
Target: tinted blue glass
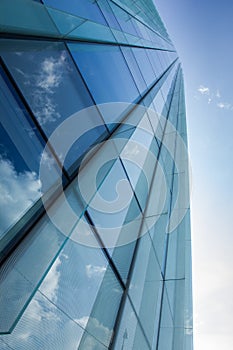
21, 148
48, 79
105, 72
116, 223
130, 334
145, 286
157, 234
133, 66
85, 283
155, 62
124, 19
139, 158
141, 30
27, 266
52, 87
84, 8
44, 326
116, 191
144, 65
108, 14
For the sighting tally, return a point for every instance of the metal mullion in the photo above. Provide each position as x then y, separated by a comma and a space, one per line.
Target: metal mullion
73, 40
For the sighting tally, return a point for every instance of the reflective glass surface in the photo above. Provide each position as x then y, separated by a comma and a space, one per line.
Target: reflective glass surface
19, 159
53, 89
105, 263
105, 72
130, 335
86, 9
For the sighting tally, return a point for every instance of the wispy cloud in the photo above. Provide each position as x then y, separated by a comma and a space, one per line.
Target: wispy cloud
214, 97
204, 90
18, 191
218, 94
50, 75
93, 271
224, 105
51, 282
95, 327
44, 84
47, 81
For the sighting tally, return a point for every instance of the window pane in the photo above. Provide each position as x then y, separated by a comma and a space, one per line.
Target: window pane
145, 286
26, 267
144, 65
44, 326
21, 148
83, 8
53, 88
134, 68
105, 72
82, 284
130, 334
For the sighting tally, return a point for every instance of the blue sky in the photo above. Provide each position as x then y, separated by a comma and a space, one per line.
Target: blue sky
202, 33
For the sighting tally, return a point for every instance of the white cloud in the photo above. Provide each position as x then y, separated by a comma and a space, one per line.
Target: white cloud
92, 271
38, 312
204, 90
18, 192
224, 105
51, 283
82, 321
96, 328
50, 76
211, 97
47, 160
218, 94
45, 108
43, 85
46, 82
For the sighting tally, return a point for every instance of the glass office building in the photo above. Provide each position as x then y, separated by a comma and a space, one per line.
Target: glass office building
95, 245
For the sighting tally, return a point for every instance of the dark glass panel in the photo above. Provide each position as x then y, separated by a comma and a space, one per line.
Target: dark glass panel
21, 148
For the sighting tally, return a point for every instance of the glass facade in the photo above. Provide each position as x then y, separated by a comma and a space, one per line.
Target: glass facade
95, 243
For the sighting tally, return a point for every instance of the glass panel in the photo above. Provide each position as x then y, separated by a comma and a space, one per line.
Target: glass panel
84, 8
158, 227
108, 14
145, 286
48, 79
82, 283
53, 89
130, 335
65, 21
153, 57
165, 338
26, 267
133, 66
111, 210
176, 255
44, 326
138, 156
124, 19
144, 65
105, 72
175, 295
116, 217
26, 17
167, 310
21, 148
